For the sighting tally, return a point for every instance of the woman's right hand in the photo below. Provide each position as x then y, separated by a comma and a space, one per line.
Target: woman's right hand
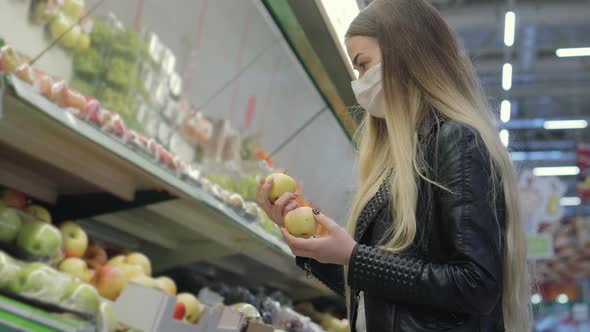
276, 211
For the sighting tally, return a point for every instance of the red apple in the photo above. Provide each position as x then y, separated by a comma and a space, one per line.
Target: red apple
95, 256
179, 311
194, 308
110, 281
100, 117
92, 106
115, 125
74, 99
13, 198
74, 238
58, 92
43, 83
25, 73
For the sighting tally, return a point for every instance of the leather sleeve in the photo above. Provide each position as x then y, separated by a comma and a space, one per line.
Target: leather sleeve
470, 281
330, 275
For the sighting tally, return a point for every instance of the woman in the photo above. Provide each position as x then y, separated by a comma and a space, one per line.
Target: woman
434, 239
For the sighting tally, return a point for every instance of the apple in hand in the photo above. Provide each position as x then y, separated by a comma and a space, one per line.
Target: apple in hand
301, 222
40, 213
10, 225
82, 296
194, 308
282, 184
74, 238
95, 256
110, 281
140, 260
39, 239
167, 285
9, 269
74, 267
179, 311
13, 198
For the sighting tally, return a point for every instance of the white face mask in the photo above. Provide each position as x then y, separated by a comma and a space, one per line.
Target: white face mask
369, 93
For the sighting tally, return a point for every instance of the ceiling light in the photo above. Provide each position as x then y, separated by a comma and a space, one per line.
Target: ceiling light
565, 124
509, 28
570, 201
505, 109
556, 171
562, 298
507, 76
536, 298
573, 52
505, 137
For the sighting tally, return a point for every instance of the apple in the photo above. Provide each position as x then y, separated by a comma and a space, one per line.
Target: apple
89, 275
9, 269
73, 8
39, 239
82, 296
25, 73
106, 315
117, 260
10, 225
130, 271
60, 28
95, 256
40, 213
194, 308
179, 311
74, 238
74, 99
166, 284
13, 198
83, 42
59, 25
301, 222
141, 260
35, 279
74, 267
282, 184
9, 59
110, 281
142, 279
43, 83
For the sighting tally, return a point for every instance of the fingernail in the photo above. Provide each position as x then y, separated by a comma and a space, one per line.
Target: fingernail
315, 211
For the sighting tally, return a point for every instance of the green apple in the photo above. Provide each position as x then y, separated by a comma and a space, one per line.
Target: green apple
39, 239
34, 279
107, 317
83, 43
9, 269
74, 267
301, 222
282, 184
82, 296
39, 212
10, 225
73, 9
74, 238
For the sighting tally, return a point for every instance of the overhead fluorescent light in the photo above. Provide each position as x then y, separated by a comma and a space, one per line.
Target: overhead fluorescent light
505, 137
556, 171
565, 124
507, 76
570, 201
509, 28
505, 109
573, 52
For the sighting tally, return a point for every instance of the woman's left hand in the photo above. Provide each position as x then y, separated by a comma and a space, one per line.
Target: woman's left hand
334, 248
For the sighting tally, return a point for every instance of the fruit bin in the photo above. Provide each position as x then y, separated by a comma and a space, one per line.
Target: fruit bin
151, 310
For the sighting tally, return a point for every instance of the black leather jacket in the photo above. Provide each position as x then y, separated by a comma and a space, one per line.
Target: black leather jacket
451, 277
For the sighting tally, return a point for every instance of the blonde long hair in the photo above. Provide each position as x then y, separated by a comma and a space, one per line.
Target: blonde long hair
427, 71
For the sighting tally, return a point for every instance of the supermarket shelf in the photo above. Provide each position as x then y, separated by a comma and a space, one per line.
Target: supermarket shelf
49, 152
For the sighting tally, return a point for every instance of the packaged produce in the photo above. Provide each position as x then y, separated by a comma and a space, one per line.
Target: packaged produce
43, 11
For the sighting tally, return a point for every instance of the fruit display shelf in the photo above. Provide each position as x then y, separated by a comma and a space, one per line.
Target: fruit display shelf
48, 152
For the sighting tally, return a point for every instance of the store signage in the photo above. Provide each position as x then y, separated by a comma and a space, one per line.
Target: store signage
540, 197
540, 246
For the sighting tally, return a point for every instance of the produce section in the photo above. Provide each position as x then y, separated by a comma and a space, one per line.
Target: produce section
111, 180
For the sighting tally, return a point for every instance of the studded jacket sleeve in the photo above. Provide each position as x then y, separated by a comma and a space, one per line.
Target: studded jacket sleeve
330, 275
470, 281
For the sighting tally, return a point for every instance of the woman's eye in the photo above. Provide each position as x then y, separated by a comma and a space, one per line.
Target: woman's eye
363, 66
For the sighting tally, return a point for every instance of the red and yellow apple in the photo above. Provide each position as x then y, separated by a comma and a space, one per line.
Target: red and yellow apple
301, 222
194, 308
74, 238
89, 275
282, 184
13, 198
110, 281
95, 256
